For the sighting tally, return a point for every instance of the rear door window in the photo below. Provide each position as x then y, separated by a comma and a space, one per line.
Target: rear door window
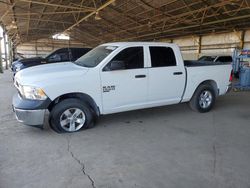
162, 56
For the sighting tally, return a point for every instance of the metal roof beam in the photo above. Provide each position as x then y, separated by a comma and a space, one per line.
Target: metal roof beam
90, 14
59, 5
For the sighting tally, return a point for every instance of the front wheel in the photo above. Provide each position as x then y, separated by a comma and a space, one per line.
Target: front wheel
70, 115
203, 99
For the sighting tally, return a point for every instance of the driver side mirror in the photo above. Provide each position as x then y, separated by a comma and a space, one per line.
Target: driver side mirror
117, 65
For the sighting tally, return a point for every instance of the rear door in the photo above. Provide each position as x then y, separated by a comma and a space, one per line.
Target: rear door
166, 76
125, 89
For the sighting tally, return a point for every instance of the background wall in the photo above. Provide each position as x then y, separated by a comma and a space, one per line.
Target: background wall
210, 44
45, 46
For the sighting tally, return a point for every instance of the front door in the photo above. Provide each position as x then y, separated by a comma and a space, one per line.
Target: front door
125, 89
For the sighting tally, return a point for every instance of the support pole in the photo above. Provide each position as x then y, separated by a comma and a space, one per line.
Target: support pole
36, 48
5, 50
1, 65
53, 46
10, 51
242, 39
199, 47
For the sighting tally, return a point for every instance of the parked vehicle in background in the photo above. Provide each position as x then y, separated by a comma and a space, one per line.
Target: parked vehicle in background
116, 77
60, 55
217, 58
16, 59
18, 56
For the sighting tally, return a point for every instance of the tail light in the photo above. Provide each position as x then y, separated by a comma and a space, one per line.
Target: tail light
231, 76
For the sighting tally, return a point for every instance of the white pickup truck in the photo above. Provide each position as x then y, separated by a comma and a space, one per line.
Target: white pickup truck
115, 77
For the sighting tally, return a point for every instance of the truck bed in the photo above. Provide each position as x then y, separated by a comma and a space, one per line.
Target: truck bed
197, 72
190, 63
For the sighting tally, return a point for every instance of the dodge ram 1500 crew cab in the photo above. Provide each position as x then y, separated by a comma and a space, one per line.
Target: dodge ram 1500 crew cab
115, 77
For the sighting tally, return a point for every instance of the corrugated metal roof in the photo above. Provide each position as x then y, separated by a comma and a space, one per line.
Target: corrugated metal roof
99, 21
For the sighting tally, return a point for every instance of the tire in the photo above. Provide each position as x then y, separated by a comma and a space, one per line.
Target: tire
70, 115
203, 99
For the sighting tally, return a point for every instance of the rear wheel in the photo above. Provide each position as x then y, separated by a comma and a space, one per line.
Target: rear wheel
70, 115
203, 99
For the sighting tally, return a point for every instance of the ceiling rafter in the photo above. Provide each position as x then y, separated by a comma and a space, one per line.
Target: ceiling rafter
90, 14
10, 8
17, 38
189, 8
41, 20
55, 9
46, 13
28, 23
123, 20
194, 26
182, 15
59, 5
210, 16
160, 15
40, 16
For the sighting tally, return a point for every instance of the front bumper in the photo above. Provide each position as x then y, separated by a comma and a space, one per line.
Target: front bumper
30, 117
30, 112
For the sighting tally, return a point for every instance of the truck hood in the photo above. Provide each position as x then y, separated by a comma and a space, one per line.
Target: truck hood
26, 61
48, 72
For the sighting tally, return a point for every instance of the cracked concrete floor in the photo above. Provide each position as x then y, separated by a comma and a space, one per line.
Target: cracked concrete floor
162, 147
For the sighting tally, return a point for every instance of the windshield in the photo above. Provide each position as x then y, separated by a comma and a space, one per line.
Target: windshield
48, 55
207, 58
95, 56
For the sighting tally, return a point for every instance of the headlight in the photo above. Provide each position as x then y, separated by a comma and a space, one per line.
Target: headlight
18, 67
32, 93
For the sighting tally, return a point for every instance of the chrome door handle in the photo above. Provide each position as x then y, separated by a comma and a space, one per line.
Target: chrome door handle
140, 76
177, 73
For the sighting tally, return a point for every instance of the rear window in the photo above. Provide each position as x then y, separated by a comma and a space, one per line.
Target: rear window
224, 59
162, 56
78, 52
207, 58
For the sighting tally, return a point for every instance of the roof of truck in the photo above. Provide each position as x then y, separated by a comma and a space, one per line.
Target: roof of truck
137, 43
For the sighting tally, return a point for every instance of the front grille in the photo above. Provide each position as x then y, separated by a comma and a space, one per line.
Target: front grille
20, 115
18, 87
17, 84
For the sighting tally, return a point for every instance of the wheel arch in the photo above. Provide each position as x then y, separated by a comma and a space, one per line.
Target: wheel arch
211, 83
194, 102
82, 96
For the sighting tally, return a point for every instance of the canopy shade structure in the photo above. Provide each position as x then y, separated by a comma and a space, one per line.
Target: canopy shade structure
99, 21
